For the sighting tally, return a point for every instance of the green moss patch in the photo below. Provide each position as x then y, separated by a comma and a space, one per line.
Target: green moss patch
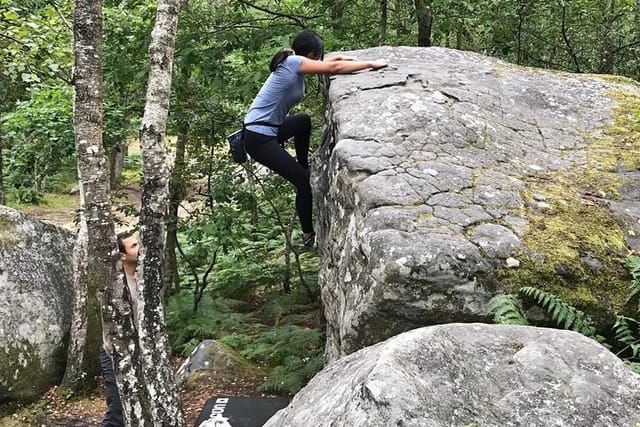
577, 222
228, 364
556, 240
22, 368
618, 149
32, 414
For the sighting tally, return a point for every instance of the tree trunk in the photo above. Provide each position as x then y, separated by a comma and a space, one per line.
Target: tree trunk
337, 10
384, 10
116, 160
177, 193
519, 32
85, 336
1, 170
401, 13
118, 329
154, 344
637, 34
424, 16
608, 47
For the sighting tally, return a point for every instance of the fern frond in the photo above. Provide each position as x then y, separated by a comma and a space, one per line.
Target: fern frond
634, 366
562, 313
506, 310
632, 264
627, 332
569, 320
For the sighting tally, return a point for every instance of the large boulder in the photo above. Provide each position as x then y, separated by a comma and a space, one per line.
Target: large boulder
471, 375
451, 176
36, 292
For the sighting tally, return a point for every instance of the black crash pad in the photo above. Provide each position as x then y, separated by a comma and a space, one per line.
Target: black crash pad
239, 411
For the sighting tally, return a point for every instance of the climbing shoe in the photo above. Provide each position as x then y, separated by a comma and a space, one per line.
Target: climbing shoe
309, 242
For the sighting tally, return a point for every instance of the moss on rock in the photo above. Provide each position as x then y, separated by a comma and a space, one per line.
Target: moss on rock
576, 221
23, 375
225, 362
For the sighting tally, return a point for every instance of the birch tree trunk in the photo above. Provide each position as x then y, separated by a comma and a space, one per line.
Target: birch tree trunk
93, 172
1, 170
85, 335
154, 343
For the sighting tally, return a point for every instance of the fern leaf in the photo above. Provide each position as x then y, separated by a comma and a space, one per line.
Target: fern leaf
627, 332
635, 350
563, 314
632, 264
506, 310
569, 320
634, 366
559, 313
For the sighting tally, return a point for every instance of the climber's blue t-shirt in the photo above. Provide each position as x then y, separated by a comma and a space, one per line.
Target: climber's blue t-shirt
283, 89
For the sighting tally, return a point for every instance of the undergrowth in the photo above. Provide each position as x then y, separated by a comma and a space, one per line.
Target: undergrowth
623, 339
245, 287
279, 331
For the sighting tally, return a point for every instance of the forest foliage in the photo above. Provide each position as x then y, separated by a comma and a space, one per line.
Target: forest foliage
241, 279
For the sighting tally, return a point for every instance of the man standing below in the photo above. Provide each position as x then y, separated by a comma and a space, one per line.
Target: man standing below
128, 247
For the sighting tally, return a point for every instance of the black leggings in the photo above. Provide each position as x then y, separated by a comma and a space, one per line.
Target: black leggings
269, 151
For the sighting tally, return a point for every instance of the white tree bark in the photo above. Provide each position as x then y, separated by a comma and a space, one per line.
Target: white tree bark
93, 170
154, 344
85, 335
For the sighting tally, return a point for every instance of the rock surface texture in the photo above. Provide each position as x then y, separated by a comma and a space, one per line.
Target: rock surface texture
439, 175
471, 375
36, 292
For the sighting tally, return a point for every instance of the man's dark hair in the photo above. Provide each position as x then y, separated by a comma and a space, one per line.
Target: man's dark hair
121, 236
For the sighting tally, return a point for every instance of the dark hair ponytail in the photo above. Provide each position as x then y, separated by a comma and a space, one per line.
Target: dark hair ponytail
279, 58
304, 44
308, 42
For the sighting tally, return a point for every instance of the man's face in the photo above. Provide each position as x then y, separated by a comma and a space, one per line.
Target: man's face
130, 256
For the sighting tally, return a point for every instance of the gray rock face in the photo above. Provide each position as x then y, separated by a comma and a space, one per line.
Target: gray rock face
471, 375
420, 183
36, 292
212, 358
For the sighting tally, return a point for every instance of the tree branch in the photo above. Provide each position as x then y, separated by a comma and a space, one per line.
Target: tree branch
64, 77
287, 237
565, 37
300, 20
205, 278
64, 20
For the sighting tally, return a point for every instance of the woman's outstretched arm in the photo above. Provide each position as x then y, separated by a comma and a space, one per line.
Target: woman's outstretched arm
310, 66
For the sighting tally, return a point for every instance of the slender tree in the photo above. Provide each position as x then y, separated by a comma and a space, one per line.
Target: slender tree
85, 340
177, 193
118, 329
424, 15
154, 344
384, 19
1, 171
82, 355
337, 9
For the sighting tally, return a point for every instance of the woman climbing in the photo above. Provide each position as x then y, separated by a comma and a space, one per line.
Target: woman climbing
267, 123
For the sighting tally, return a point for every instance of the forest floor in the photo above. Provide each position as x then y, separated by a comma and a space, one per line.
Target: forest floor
89, 411
56, 411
